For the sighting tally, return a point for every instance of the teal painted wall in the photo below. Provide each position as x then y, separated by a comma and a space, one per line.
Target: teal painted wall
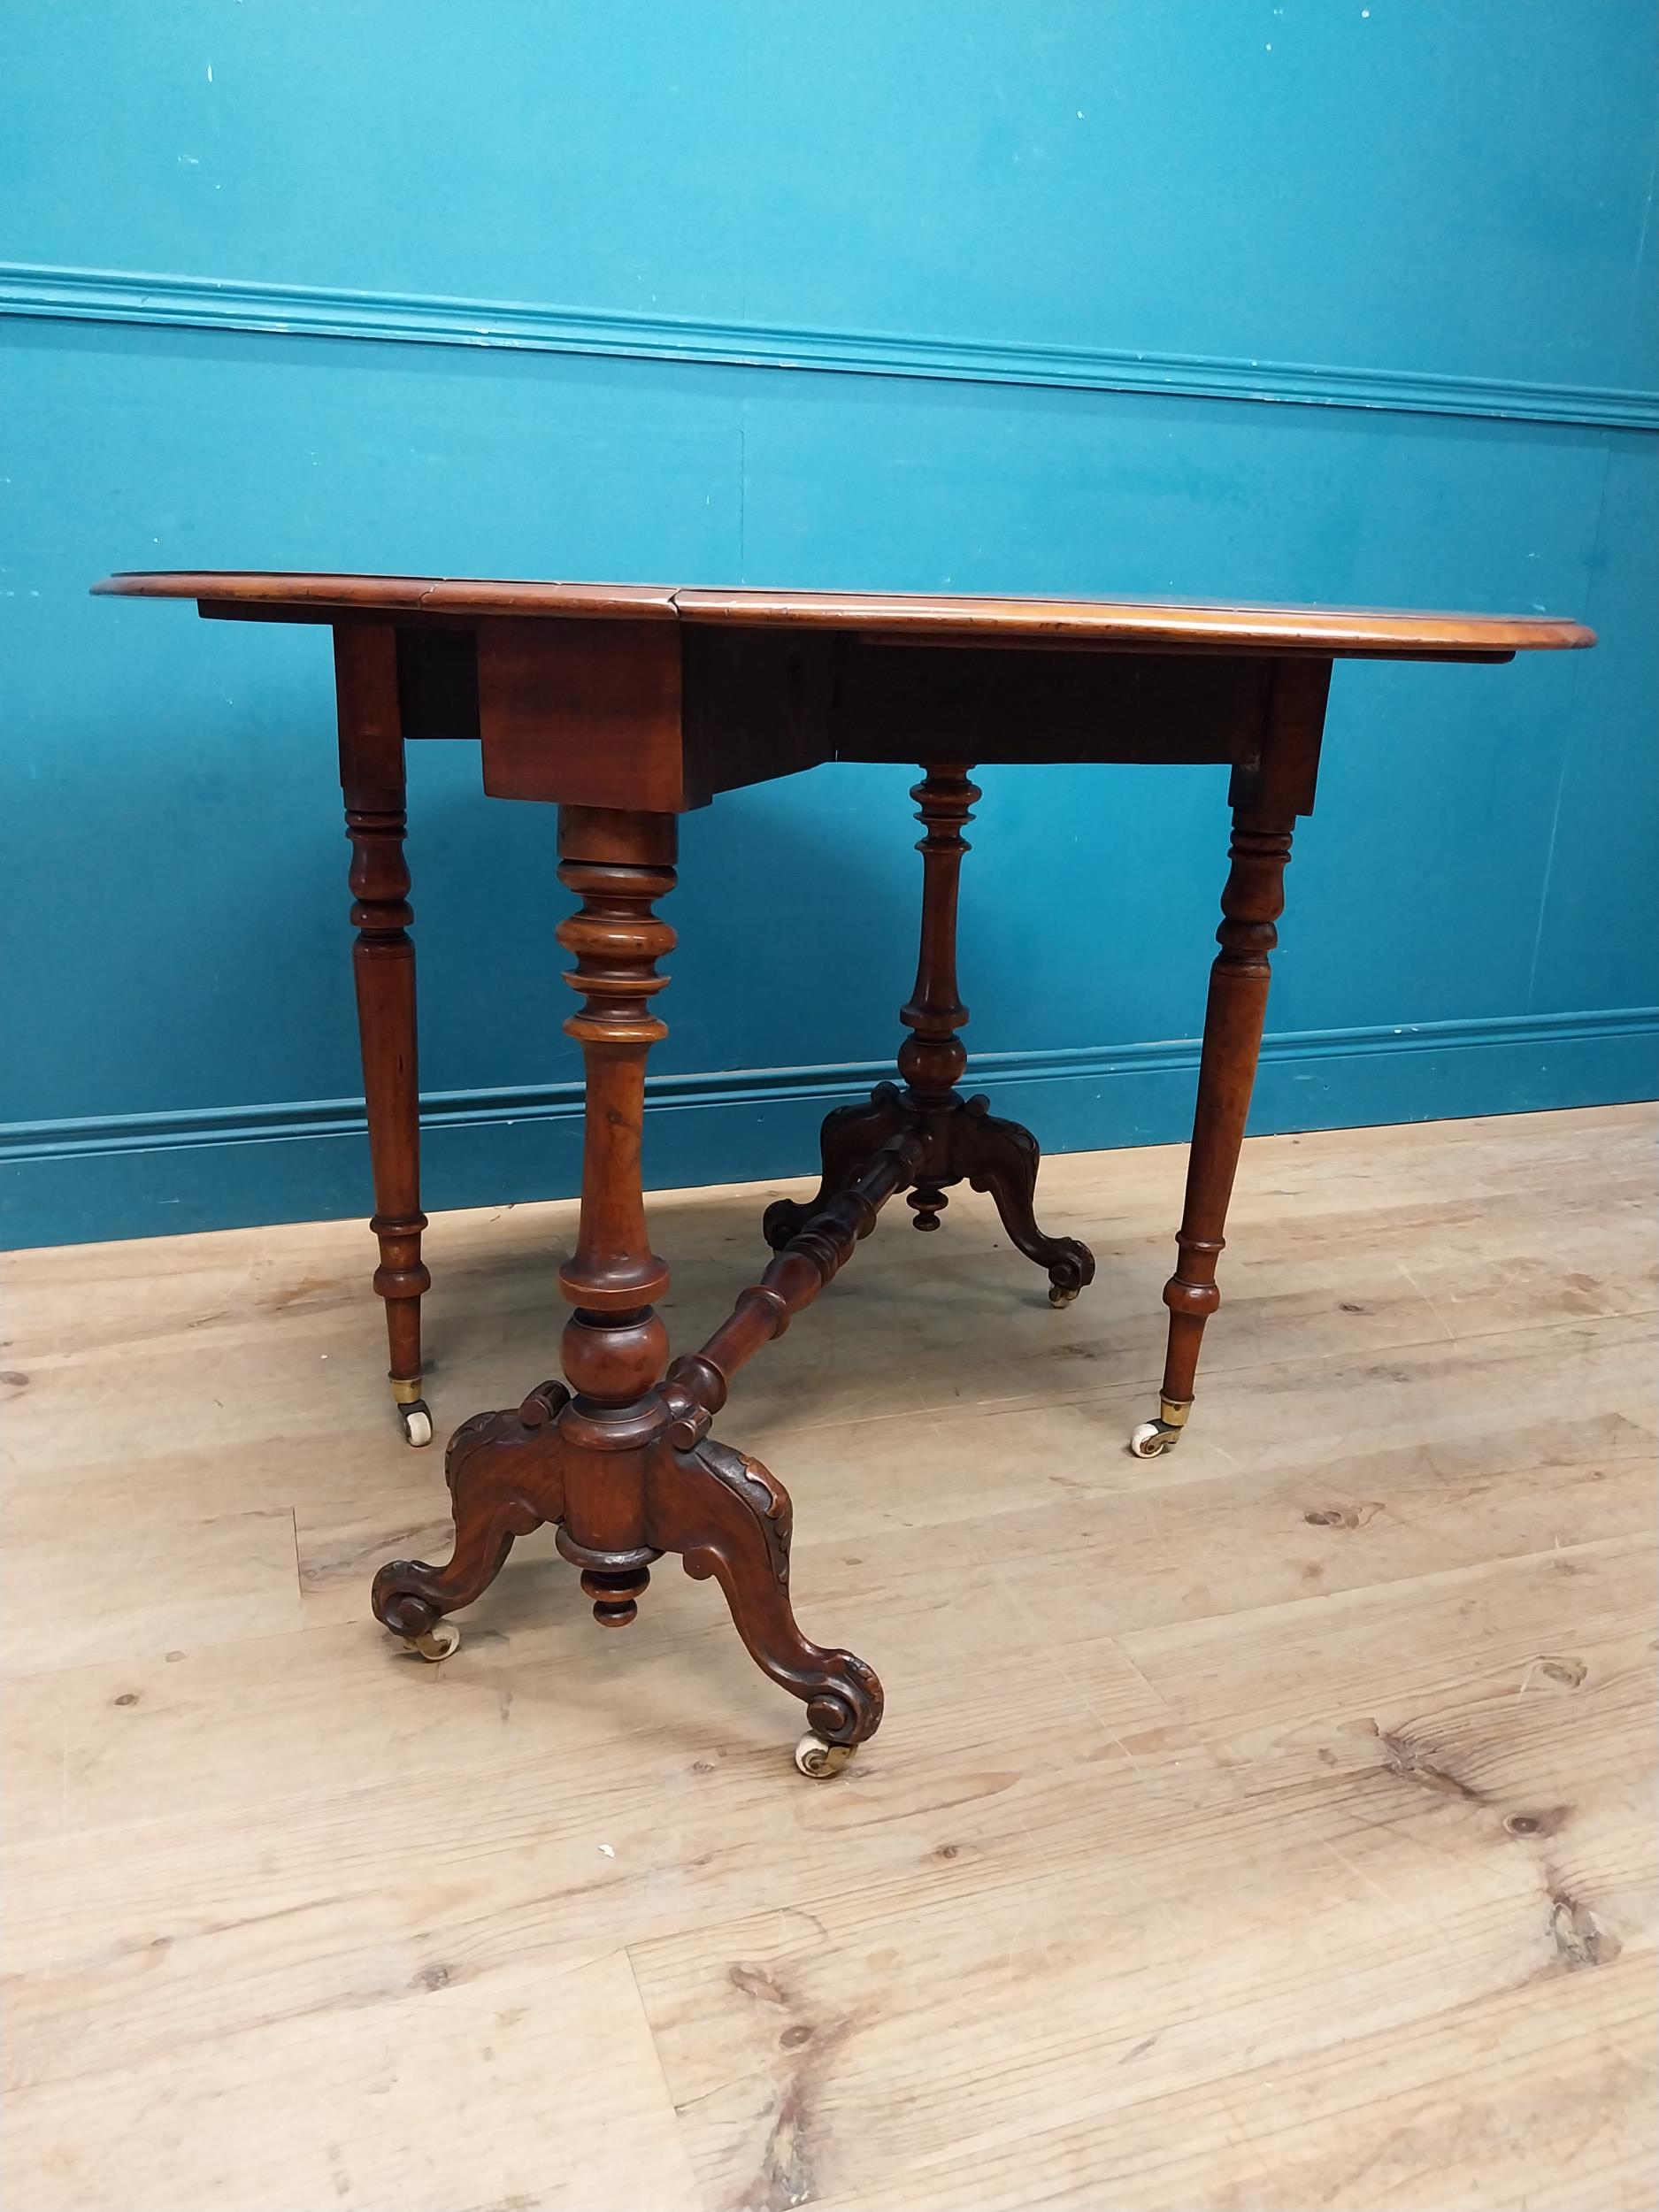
1207, 296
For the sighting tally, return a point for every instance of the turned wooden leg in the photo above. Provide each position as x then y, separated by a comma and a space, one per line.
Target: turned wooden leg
1251, 903
615, 1346
1003, 1157
728, 1517
383, 964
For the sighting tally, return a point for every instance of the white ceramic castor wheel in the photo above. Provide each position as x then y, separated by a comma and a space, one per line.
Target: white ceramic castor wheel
413, 1412
1152, 1439
1062, 1293
820, 1760
436, 1642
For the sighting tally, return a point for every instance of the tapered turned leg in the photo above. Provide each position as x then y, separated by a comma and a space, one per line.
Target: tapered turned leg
1251, 903
383, 964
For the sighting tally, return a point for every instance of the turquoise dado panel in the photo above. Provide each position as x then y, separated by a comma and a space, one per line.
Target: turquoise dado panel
667, 196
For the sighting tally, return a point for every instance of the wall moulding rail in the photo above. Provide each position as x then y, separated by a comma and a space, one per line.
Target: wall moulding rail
145, 1174
114, 296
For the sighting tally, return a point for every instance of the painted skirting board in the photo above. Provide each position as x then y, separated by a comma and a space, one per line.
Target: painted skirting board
153, 1174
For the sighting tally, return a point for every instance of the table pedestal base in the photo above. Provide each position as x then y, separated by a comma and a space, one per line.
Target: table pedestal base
618, 1473
961, 1141
619, 1457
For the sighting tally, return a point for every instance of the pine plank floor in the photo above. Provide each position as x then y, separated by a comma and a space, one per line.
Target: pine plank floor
1265, 1828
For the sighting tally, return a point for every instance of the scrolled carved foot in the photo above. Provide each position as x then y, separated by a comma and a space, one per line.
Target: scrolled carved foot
502, 1469
410, 1598
846, 1709
849, 1141
1071, 1271
406, 1601
728, 1517
1003, 1157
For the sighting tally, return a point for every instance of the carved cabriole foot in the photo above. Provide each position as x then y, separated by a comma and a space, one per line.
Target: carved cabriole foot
1001, 1157
505, 1479
728, 1517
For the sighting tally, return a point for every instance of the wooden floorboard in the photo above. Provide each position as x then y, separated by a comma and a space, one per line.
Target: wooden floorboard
1264, 1828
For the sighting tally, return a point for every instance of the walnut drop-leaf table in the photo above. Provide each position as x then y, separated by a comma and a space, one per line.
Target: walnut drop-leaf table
628, 705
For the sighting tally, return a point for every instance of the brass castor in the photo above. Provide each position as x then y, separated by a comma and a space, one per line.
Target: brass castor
1152, 1439
820, 1760
436, 1642
413, 1411
1063, 1294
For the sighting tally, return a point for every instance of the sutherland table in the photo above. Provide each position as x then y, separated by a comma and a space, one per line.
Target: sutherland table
626, 706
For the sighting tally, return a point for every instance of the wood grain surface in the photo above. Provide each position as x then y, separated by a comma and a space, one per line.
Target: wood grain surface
1261, 1829
1381, 633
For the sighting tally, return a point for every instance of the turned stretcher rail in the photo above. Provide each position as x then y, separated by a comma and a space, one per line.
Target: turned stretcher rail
698, 1383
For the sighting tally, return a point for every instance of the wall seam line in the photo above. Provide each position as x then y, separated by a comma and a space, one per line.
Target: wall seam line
1546, 874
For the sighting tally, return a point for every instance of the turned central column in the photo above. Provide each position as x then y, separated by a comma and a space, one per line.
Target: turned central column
614, 1346
933, 1057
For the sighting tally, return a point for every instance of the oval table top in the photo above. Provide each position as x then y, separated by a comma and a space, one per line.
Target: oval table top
1177, 625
